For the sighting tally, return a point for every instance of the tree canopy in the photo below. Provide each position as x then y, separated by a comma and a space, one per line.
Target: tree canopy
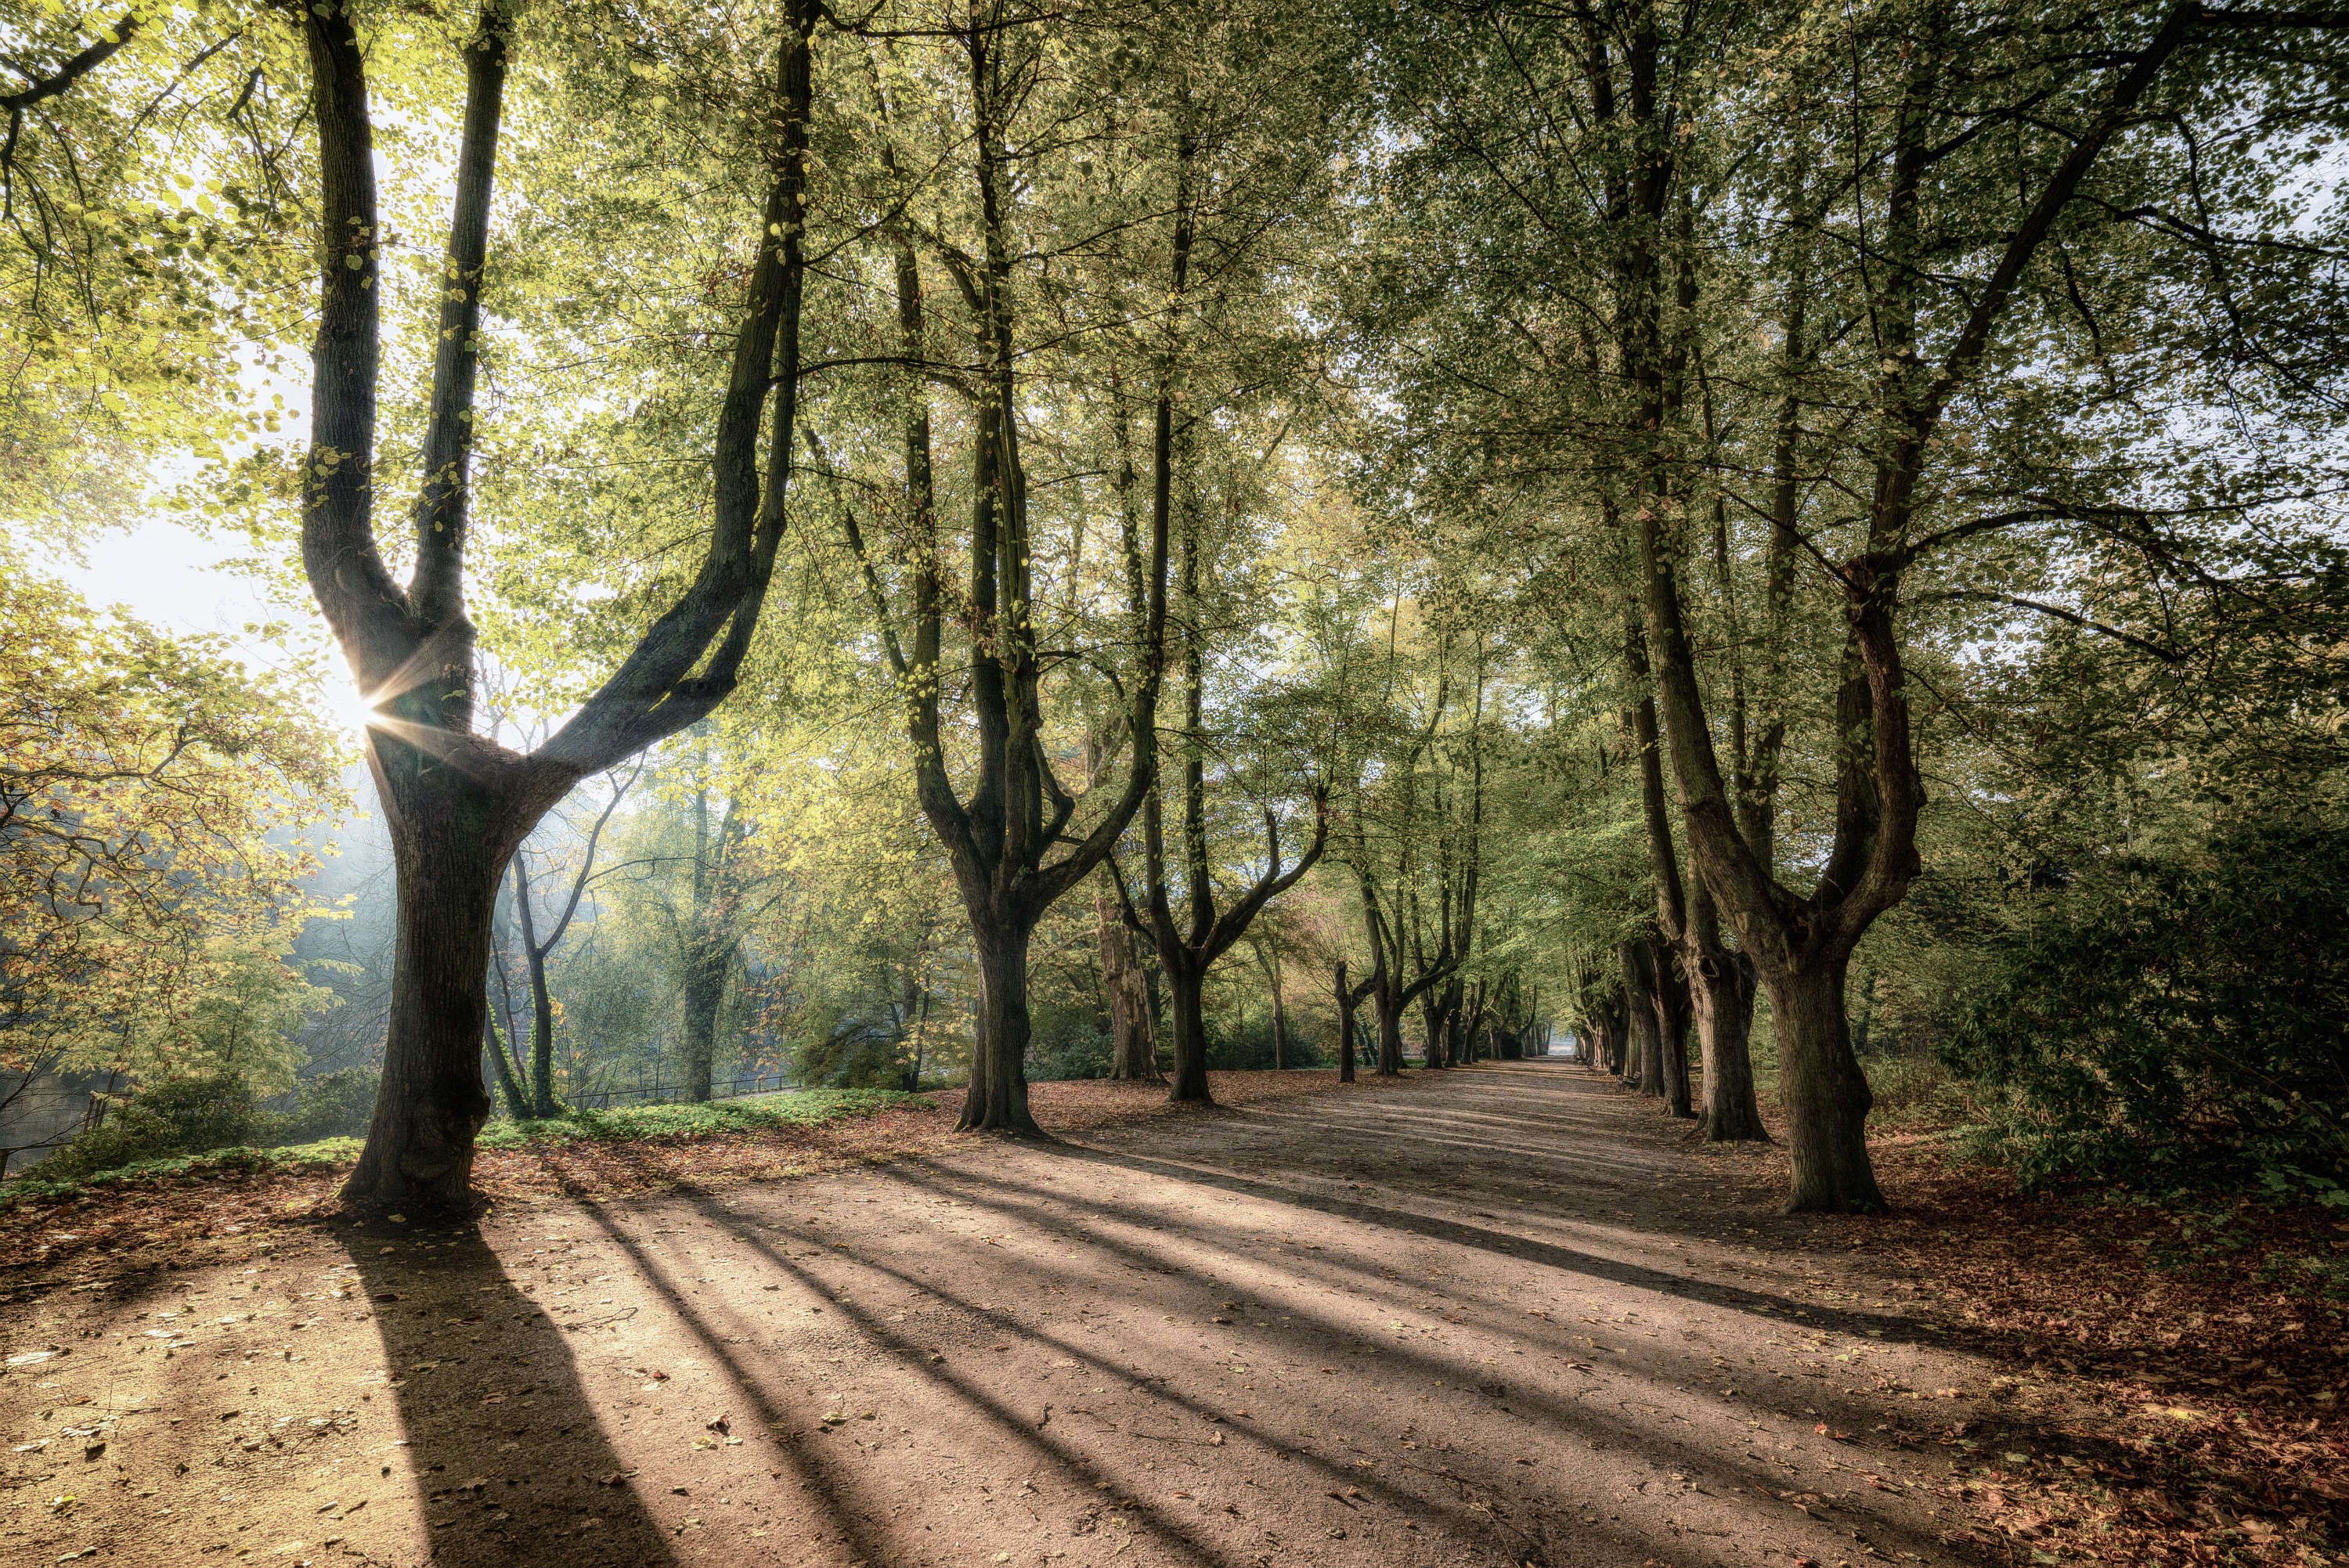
1762, 541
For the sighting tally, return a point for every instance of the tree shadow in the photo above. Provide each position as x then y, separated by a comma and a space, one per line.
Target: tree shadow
502, 1437
1474, 1499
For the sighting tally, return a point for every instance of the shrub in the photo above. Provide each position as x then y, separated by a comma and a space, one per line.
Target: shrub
2175, 1020
338, 1104
168, 1117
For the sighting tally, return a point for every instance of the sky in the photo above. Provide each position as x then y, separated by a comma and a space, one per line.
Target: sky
167, 575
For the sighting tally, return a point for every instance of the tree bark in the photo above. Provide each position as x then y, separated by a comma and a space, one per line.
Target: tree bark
449, 859
1134, 1026
1390, 1013
1827, 1101
997, 1097
1642, 1067
704, 992
1673, 1013
517, 1100
1349, 997
1721, 995
541, 1038
1186, 1008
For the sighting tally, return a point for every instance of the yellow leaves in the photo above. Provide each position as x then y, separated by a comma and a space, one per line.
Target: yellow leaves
143, 778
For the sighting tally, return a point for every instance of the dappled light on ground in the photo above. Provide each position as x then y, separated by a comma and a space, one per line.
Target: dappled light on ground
1504, 1316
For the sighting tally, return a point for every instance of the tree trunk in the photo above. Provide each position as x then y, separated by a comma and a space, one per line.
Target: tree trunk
705, 990
1824, 1092
1672, 1000
1643, 1067
517, 1100
1721, 993
1133, 1028
1345, 1026
997, 1100
450, 844
542, 1039
1186, 1002
1389, 1034
1435, 1013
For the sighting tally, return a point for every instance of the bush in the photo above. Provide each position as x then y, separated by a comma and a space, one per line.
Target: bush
1248, 1048
338, 1104
1916, 1093
750, 1113
172, 1116
2175, 1020
1065, 1041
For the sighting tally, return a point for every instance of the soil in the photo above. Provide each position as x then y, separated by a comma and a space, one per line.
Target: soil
1502, 1314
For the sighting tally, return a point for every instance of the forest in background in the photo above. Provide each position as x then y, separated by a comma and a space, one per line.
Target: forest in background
950, 544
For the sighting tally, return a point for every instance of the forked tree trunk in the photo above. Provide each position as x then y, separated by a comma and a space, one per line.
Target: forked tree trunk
1824, 1092
457, 803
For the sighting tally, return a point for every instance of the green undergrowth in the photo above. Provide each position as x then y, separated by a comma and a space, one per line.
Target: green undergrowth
752, 1113
626, 1124
324, 1155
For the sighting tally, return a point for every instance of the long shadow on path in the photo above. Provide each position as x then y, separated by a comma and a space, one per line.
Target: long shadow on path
503, 1438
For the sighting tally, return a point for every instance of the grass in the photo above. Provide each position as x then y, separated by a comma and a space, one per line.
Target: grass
325, 1154
636, 1123
627, 1124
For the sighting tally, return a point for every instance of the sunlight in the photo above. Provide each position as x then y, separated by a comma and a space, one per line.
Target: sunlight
350, 710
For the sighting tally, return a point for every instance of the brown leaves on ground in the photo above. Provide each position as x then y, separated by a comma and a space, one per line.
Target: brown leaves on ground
210, 1217
2178, 1379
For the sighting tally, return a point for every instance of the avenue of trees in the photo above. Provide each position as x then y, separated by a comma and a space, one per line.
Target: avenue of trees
953, 544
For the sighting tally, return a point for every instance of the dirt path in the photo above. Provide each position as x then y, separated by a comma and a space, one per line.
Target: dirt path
1501, 1316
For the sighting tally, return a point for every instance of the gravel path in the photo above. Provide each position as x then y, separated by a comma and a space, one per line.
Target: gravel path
1499, 1315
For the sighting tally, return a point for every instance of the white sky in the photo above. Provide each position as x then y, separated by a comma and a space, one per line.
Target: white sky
166, 574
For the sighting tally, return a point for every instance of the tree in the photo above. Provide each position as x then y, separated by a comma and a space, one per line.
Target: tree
536, 950
459, 804
148, 885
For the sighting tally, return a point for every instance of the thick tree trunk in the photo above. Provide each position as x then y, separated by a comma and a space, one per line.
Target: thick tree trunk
1390, 1036
1186, 1008
705, 990
997, 1100
1133, 1022
449, 844
1672, 1000
1721, 993
1824, 1092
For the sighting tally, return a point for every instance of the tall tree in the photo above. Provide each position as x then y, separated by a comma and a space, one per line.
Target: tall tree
1000, 835
536, 950
458, 803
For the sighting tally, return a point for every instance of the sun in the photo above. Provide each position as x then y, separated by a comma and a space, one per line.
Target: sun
350, 711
